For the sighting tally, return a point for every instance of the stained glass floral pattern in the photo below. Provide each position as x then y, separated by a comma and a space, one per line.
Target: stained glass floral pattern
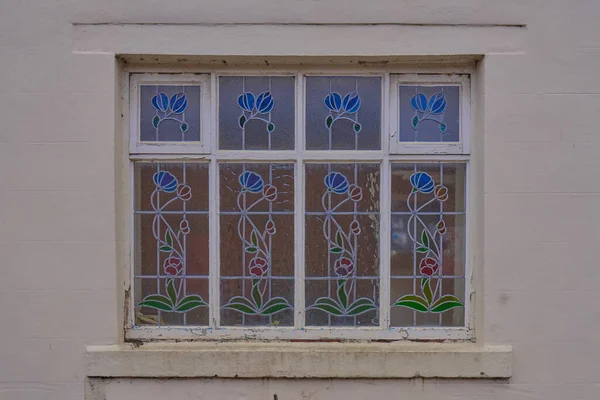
425, 200
171, 241
256, 200
341, 227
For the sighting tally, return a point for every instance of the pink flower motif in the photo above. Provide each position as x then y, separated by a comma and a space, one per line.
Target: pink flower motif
184, 192
184, 227
258, 267
270, 192
355, 192
343, 267
428, 266
441, 227
355, 227
270, 227
441, 193
173, 266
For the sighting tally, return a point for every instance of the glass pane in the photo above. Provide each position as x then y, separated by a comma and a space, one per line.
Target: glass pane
257, 112
170, 113
256, 217
428, 244
171, 243
343, 113
342, 244
429, 113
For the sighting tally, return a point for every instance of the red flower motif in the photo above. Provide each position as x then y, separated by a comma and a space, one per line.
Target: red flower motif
355, 192
173, 266
441, 193
258, 267
184, 227
184, 192
355, 227
270, 227
343, 267
428, 266
270, 192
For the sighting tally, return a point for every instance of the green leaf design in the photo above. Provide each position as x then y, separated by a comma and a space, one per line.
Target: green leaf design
341, 292
168, 238
339, 239
158, 302
415, 122
361, 306
171, 291
166, 248
256, 295
254, 239
155, 121
251, 249
422, 249
425, 238
271, 127
426, 289
241, 304
184, 127
357, 127
190, 302
242, 121
329, 121
275, 305
335, 250
412, 301
328, 305
445, 303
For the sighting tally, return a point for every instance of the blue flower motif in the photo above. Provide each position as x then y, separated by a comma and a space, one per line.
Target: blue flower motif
178, 103
265, 102
251, 182
422, 182
333, 101
246, 101
437, 103
351, 103
165, 181
336, 182
419, 102
161, 102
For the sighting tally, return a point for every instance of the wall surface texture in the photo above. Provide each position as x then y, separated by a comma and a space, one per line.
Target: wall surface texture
59, 286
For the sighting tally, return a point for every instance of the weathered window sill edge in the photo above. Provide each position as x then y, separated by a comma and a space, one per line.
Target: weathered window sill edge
300, 360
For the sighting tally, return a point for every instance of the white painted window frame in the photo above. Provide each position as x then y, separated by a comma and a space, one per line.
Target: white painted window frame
463, 145
208, 152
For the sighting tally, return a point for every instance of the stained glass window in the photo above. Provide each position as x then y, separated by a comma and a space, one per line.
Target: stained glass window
286, 205
170, 113
171, 258
429, 113
256, 112
343, 113
427, 257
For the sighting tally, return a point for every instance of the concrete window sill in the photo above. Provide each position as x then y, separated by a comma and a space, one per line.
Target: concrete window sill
300, 360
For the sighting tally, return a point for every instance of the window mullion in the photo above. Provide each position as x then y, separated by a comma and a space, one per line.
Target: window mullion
385, 216
299, 225
213, 206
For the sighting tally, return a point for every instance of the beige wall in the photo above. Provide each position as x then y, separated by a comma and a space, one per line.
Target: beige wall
541, 150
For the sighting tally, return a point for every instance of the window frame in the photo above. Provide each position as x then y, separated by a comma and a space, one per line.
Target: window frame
209, 152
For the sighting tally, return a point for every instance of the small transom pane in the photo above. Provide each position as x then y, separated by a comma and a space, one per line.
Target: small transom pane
257, 112
170, 113
343, 113
427, 259
429, 113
